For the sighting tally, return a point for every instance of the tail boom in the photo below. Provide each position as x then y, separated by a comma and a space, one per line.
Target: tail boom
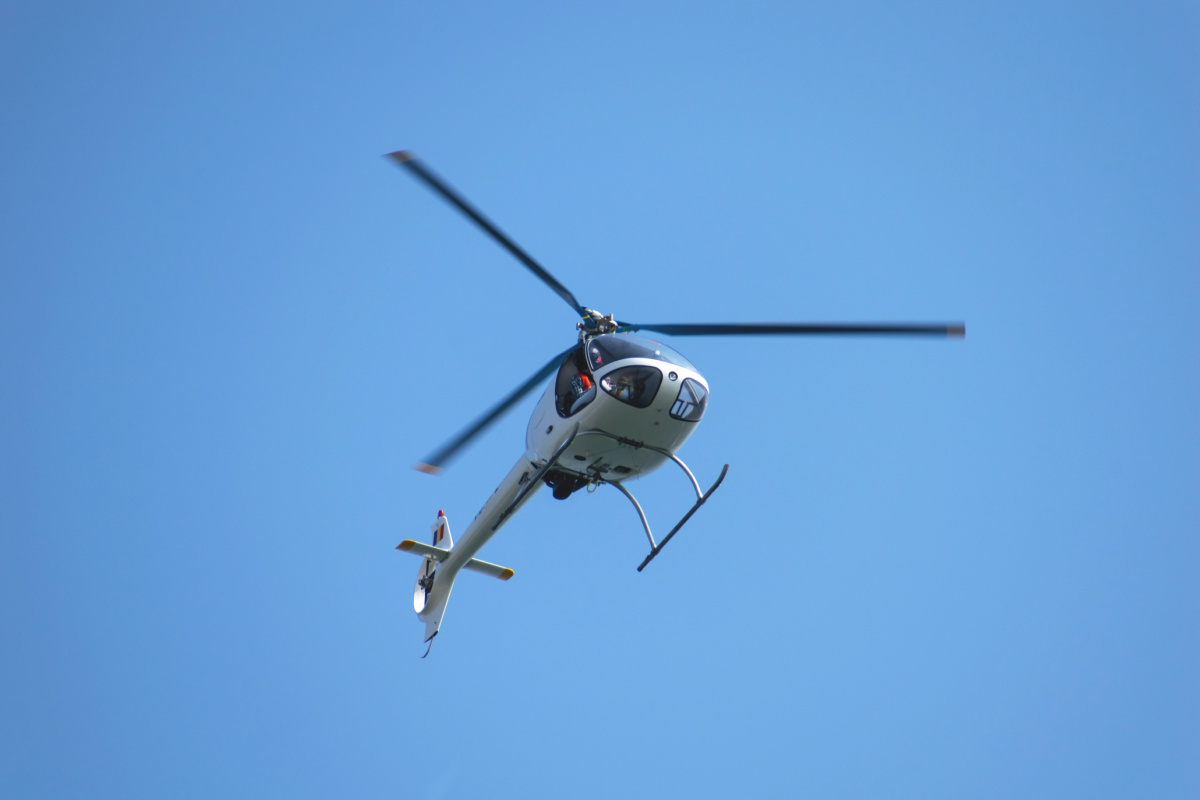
443, 559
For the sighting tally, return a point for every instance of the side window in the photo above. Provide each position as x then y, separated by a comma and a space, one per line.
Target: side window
575, 387
636, 386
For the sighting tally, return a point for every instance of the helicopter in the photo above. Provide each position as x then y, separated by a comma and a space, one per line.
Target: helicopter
619, 406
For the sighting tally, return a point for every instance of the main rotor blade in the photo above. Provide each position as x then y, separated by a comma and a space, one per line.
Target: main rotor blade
953, 329
436, 462
406, 159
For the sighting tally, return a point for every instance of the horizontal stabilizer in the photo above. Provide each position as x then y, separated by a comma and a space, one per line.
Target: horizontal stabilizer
487, 568
439, 554
436, 553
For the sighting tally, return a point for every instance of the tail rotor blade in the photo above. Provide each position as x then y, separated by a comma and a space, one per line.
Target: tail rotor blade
409, 161
437, 461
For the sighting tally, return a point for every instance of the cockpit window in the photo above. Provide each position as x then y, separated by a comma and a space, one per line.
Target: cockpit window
634, 385
574, 388
604, 350
691, 402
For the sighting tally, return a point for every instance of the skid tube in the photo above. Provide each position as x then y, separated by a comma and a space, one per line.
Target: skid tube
701, 497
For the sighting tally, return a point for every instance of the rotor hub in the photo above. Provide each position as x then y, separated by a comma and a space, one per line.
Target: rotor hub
596, 324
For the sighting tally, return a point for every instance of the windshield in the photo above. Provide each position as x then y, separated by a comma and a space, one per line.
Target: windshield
604, 350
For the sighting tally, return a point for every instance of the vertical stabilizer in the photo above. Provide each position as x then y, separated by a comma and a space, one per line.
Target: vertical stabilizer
441, 532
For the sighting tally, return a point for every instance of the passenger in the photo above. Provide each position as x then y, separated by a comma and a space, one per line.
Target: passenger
583, 391
583, 388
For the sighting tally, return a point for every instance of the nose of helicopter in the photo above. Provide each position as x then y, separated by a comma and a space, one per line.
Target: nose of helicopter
640, 403
692, 400
640, 409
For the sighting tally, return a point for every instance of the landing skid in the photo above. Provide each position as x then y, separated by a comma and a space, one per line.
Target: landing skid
700, 500
701, 497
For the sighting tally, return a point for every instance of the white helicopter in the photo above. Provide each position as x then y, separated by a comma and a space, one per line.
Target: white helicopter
619, 407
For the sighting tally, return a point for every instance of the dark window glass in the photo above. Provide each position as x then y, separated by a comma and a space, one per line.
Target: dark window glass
633, 385
604, 350
574, 387
692, 400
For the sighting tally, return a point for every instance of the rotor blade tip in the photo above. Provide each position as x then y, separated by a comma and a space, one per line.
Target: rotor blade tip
428, 469
401, 156
957, 331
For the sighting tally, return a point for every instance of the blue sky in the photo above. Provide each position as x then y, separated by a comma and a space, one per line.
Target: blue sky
937, 569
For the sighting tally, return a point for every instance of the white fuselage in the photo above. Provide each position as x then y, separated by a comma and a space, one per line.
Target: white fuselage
623, 428
592, 452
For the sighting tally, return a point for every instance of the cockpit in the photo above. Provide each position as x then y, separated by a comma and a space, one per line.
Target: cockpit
635, 385
604, 350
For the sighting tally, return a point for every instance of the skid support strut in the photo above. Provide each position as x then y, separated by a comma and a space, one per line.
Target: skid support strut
701, 497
